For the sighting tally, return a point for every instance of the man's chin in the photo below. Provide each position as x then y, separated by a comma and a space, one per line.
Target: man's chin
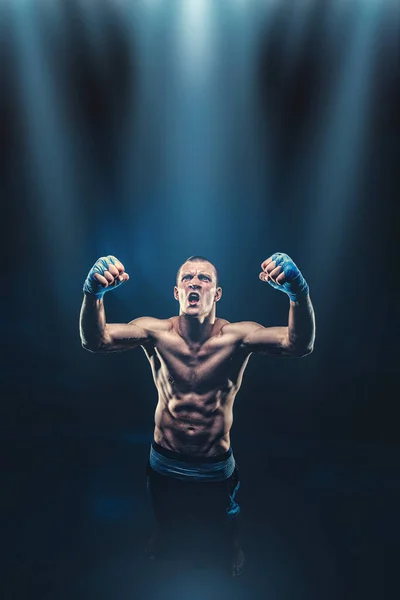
192, 310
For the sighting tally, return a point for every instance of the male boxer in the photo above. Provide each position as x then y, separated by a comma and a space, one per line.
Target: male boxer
197, 361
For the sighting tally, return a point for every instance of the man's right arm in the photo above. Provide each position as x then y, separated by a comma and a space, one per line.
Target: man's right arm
99, 336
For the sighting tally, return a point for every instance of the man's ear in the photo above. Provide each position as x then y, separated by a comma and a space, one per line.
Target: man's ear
218, 294
176, 293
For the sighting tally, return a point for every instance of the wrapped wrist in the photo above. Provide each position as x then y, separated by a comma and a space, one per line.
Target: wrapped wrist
93, 290
300, 292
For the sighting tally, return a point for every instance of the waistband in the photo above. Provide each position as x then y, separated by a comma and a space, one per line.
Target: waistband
193, 468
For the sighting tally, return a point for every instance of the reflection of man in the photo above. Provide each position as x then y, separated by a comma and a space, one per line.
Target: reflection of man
197, 362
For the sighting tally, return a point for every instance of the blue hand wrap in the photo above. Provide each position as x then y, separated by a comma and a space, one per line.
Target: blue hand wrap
94, 287
295, 285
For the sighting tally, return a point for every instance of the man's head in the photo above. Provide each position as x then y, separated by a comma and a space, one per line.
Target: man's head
196, 287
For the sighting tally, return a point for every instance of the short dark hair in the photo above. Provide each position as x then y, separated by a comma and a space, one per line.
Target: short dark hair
198, 258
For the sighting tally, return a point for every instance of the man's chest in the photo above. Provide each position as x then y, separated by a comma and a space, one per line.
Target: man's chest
215, 360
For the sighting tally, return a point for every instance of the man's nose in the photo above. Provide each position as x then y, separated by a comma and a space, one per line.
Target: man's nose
193, 284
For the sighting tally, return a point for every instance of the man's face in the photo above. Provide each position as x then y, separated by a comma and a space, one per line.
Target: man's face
196, 288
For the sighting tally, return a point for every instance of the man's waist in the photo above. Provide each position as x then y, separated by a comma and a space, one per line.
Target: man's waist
188, 467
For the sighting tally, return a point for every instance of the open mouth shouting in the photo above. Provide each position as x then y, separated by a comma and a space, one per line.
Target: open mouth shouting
193, 298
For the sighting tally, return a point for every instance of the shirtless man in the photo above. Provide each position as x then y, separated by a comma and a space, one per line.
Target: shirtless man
197, 361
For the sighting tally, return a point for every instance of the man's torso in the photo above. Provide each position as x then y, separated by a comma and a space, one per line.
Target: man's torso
197, 385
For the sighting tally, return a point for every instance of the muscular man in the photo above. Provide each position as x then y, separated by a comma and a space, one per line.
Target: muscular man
197, 361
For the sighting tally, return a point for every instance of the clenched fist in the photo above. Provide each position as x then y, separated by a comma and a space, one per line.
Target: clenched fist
106, 274
282, 273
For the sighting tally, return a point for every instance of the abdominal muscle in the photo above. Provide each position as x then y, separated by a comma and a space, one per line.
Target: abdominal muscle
193, 425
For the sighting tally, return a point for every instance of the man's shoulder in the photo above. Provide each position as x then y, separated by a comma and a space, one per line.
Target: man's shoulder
238, 328
152, 324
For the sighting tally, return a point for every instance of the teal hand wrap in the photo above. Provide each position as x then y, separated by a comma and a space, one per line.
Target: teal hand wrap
295, 285
94, 287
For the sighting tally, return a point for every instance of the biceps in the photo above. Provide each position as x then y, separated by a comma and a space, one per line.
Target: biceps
123, 336
268, 340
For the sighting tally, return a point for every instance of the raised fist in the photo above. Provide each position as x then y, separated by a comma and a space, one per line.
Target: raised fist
106, 274
282, 273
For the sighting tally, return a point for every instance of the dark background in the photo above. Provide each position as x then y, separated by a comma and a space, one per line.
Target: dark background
86, 171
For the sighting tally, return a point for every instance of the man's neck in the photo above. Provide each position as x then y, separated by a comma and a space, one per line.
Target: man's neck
195, 330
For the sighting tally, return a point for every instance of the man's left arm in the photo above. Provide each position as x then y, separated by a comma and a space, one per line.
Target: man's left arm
297, 339
301, 327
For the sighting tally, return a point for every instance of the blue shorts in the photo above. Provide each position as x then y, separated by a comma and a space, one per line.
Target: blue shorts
192, 488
